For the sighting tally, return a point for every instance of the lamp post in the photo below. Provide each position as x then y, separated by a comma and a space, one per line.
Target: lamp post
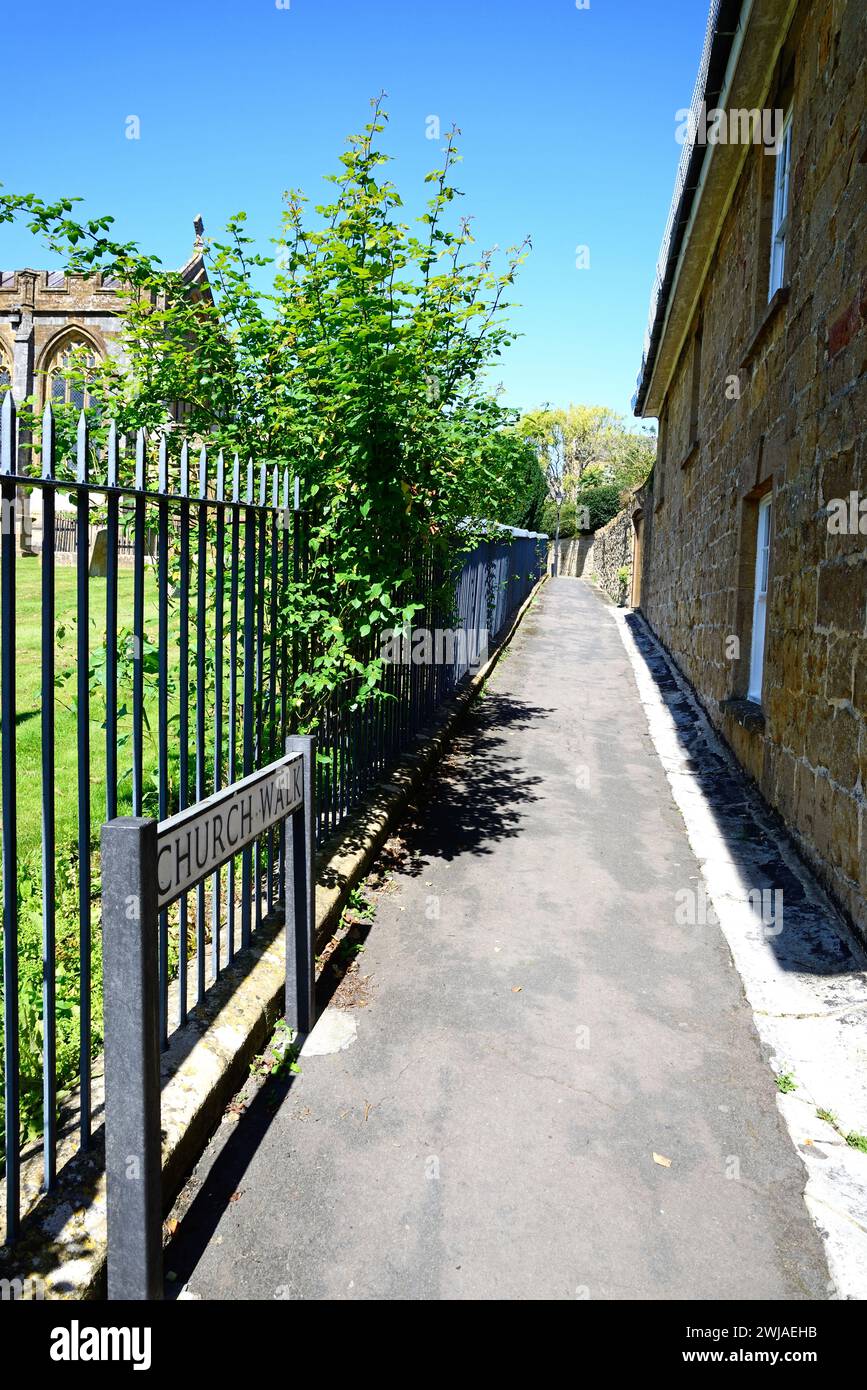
558, 496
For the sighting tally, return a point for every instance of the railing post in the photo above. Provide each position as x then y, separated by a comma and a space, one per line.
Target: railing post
132, 1059
300, 904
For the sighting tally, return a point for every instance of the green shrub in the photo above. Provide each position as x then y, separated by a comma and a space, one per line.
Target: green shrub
594, 506
356, 356
602, 501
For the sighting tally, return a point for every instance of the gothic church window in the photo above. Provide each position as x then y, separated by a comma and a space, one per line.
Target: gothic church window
69, 371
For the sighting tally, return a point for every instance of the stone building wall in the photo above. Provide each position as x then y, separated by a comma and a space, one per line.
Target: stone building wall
41, 312
774, 398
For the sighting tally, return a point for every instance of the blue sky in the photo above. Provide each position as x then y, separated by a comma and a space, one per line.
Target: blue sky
567, 120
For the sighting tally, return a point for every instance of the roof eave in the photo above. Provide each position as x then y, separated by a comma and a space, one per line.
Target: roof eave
722, 29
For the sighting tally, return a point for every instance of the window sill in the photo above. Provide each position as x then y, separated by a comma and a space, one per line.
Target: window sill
691, 454
748, 713
775, 307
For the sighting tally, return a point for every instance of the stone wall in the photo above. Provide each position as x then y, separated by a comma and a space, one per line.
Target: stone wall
773, 398
40, 313
40, 310
613, 549
576, 556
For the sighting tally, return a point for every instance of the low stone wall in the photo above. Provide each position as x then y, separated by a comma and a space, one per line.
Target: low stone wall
613, 553
576, 556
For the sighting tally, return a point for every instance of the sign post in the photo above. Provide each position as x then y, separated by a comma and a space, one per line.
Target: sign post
132, 1059
301, 890
145, 867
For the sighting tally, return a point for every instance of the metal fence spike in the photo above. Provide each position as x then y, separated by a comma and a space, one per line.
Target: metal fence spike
163, 473
81, 448
7, 434
140, 460
47, 442
112, 476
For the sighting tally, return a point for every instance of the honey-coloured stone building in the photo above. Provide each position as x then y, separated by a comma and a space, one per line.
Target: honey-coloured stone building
749, 568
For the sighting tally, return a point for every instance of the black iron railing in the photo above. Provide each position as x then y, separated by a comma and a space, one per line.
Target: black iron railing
145, 677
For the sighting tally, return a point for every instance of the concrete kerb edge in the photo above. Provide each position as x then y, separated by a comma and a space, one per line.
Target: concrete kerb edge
835, 1182
63, 1242
604, 594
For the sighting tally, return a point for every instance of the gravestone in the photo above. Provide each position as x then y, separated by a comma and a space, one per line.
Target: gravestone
98, 565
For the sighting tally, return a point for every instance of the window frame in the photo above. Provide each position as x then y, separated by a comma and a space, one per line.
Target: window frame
7, 369
781, 208
695, 387
760, 599
57, 364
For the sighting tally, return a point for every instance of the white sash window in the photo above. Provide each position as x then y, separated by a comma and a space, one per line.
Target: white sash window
780, 223
760, 600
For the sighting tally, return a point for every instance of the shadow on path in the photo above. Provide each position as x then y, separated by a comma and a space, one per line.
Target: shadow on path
475, 798
479, 794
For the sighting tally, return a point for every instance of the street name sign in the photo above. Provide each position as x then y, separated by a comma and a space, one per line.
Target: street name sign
198, 840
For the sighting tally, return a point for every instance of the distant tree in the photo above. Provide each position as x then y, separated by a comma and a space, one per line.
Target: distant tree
599, 460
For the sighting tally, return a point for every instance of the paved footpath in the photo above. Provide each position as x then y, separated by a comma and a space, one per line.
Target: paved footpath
538, 1026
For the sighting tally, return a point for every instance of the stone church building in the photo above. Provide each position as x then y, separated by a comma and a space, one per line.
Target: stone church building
751, 535
45, 316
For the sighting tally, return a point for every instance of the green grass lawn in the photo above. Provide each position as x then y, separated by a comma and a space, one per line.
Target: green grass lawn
28, 665
29, 696
28, 655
